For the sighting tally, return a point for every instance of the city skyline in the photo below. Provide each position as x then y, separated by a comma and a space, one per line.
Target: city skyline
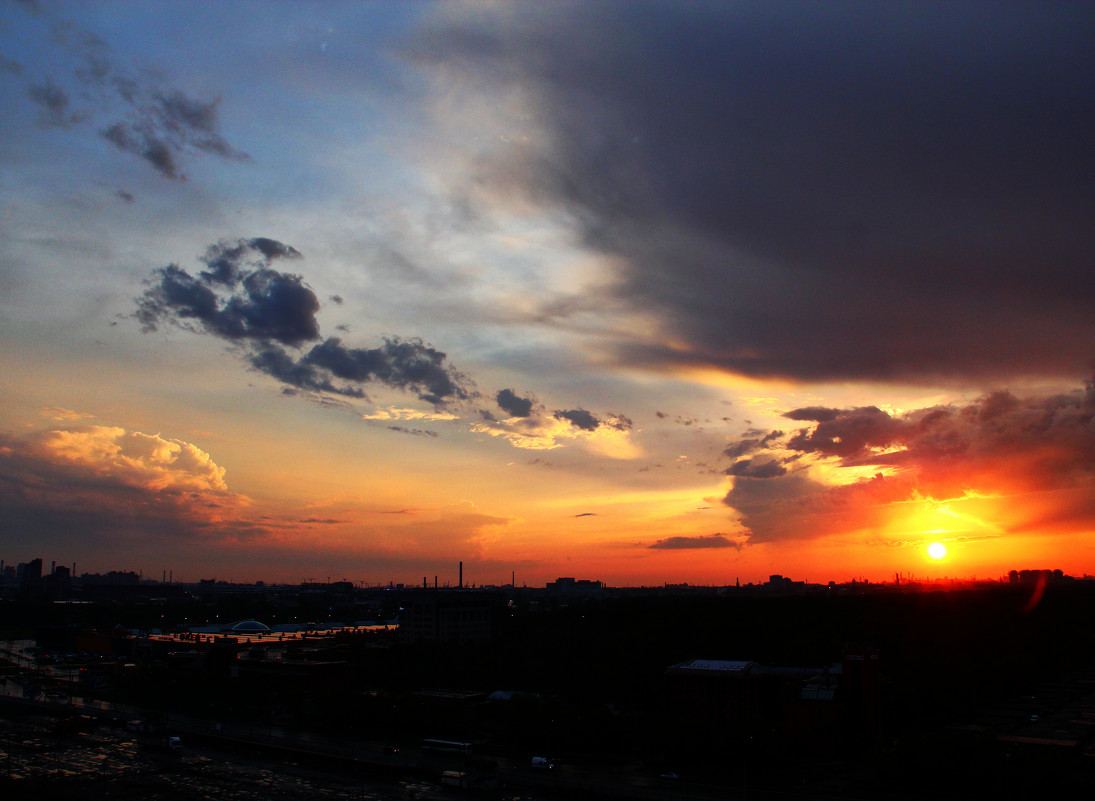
641, 292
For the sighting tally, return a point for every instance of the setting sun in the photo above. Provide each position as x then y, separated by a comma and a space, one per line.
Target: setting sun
937, 550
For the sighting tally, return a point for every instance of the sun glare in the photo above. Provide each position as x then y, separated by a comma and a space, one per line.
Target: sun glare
937, 550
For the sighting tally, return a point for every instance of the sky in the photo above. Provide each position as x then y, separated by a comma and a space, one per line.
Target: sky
638, 292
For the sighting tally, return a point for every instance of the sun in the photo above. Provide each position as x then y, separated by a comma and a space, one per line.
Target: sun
937, 550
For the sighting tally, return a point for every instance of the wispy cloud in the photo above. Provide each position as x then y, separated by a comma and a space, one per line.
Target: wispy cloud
133, 108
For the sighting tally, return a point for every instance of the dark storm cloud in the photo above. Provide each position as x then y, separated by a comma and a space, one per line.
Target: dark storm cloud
753, 468
820, 191
846, 432
1039, 451
513, 404
584, 420
404, 364
241, 298
818, 414
145, 117
688, 543
753, 441
278, 363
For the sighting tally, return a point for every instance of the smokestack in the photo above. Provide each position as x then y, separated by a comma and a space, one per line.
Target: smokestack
461, 584
53, 566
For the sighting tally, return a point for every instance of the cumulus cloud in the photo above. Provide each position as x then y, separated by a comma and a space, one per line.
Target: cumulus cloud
580, 418
513, 404
813, 191
271, 315
688, 543
1037, 452
144, 115
239, 296
131, 458
103, 483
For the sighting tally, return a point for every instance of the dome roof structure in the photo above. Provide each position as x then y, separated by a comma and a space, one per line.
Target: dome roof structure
250, 627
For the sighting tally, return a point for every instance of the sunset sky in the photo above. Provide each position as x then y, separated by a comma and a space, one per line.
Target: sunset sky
636, 292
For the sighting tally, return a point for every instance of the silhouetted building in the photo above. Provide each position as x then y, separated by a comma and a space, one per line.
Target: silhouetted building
114, 577
566, 589
31, 578
1037, 577
444, 616
58, 584
743, 701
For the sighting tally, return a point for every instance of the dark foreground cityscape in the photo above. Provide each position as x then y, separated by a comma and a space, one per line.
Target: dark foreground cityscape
112, 686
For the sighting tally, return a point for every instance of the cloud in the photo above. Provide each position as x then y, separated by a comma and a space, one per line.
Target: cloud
99, 484
514, 405
239, 297
753, 468
408, 414
59, 413
131, 458
811, 191
845, 432
1037, 452
144, 115
689, 543
580, 418
416, 432
56, 108
609, 437
753, 441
